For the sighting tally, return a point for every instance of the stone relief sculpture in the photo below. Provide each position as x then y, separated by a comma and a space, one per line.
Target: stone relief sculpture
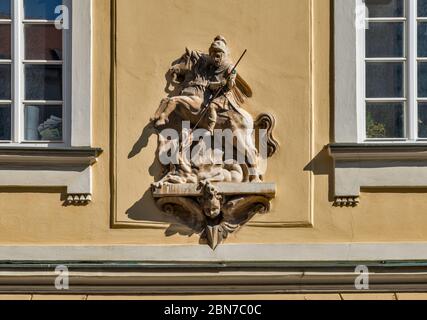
213, 152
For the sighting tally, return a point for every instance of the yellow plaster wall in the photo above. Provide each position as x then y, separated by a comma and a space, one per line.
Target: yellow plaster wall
36, 216
276, 34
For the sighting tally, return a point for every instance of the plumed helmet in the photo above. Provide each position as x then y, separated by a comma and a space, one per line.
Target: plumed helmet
219, 44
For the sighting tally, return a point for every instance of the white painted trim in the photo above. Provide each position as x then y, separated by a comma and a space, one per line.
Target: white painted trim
412, 82
346, 95
81, 92
77, 179
352, 176
350, 111
17, 171
349, 252
354, 171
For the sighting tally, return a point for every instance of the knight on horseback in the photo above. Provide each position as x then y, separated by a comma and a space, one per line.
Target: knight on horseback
210, 98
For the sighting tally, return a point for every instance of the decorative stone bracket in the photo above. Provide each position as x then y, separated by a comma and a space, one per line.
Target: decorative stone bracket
392, 165
50, 167
214, 210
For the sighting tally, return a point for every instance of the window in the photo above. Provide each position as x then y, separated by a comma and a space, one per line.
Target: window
45, 96
395, 70
34, 82
380, 108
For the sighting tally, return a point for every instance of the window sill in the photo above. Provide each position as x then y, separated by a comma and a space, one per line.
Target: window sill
378, 151
50, 167
38, 155
376, 165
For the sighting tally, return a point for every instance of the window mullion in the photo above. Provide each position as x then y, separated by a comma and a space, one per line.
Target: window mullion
361, 74
17, 69
412, 70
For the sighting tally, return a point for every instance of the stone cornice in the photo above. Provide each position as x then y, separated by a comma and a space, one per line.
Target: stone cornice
109, 278
48, 156
378, 151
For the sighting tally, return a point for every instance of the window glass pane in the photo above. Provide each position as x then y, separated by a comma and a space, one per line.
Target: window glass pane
422, 80
422, 39
5, 82
384, 120
41, 9
422, 120
5, 123
5, 38
422, 8
385, 8
385, 40
43, 42
384, 80
4, 9
43, 82
43, 123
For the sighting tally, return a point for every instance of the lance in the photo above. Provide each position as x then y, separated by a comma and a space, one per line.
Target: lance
206, 106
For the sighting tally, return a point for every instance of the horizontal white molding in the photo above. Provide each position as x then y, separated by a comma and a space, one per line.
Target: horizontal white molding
369, 252
224, 281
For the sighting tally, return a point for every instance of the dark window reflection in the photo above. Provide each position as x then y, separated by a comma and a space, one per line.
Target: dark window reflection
422, 8
5, 82
422, 39
41, 9
384, 80
4, 9
422, 80
43, 42
422, 120
385, 8
5, 39
43, 82
5, 123
385, 39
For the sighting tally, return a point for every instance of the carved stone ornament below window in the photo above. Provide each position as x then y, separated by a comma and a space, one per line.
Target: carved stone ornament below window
213, 153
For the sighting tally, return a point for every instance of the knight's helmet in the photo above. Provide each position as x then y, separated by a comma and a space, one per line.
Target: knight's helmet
219, 44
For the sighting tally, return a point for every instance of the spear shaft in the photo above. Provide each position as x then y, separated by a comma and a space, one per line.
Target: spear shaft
218, 91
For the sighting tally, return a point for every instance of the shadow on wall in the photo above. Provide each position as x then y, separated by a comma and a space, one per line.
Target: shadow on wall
62, 191
145, 209
322, 165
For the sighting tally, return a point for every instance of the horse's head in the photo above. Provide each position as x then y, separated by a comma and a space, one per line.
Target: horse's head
182, 66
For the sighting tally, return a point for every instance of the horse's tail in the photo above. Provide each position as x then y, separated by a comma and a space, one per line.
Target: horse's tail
267, 122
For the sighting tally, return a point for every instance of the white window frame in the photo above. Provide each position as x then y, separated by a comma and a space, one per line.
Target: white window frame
77, 81
350, 97
370, 163
69, 164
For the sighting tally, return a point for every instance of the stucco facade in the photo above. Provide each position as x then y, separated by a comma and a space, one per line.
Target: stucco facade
290, 67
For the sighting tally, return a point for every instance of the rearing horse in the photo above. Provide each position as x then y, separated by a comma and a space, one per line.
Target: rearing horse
191, 108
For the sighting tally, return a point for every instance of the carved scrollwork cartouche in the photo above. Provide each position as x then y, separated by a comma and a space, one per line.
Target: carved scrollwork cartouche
213, 214
267, 122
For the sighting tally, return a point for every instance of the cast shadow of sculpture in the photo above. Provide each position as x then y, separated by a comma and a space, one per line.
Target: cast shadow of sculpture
172, 88
322, 165
146, 209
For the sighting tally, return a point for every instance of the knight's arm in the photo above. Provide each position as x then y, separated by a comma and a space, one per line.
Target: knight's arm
231, 82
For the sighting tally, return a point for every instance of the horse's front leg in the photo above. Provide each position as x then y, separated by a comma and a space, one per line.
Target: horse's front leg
160, 110
166, 108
